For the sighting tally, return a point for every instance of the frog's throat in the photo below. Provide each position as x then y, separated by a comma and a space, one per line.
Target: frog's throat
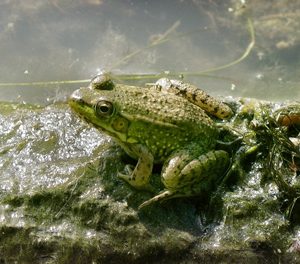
123, 137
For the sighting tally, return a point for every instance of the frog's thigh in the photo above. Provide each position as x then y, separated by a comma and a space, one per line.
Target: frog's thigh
188, 178
139, 177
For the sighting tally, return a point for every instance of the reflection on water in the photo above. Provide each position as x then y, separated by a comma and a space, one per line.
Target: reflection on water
67, 40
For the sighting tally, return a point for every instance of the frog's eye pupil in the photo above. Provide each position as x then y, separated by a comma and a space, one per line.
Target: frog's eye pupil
104, 108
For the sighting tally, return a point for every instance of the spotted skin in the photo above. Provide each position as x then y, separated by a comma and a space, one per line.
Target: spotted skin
159, 125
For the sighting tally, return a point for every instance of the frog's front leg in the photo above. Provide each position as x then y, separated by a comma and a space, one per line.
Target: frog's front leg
185, 175
139, 177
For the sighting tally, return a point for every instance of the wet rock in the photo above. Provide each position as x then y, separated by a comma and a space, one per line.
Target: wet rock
61, 202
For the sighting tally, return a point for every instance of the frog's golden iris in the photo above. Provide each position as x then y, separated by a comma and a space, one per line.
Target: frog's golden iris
165, 124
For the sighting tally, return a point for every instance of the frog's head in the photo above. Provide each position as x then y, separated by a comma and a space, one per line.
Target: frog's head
96, 104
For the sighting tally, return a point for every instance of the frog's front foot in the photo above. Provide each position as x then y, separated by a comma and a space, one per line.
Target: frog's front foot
136, 181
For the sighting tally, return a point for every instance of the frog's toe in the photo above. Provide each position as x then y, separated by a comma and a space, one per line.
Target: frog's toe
127, 178
124, 177
135, 183
160, 197
128, 169
127, 175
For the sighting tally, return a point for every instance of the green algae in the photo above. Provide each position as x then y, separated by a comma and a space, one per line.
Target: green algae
61, 201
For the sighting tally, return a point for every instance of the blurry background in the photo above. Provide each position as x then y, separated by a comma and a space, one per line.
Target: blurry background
74, 39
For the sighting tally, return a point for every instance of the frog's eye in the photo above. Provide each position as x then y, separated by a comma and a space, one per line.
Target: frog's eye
102, 82
104, 108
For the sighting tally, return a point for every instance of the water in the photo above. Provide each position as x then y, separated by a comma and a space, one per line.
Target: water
70, 40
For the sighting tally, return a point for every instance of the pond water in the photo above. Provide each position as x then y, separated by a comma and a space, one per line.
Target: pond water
73, 40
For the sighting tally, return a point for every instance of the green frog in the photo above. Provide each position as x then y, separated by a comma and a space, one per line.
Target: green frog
168, 122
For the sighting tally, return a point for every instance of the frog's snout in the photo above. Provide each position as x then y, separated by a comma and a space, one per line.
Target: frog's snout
76, 101
75, 96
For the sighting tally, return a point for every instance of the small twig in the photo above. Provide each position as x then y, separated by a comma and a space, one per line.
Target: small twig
44, 83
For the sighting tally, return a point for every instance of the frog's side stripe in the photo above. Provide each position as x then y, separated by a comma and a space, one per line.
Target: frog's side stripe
149, 120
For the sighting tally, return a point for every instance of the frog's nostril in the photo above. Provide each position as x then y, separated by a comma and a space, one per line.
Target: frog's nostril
76, 97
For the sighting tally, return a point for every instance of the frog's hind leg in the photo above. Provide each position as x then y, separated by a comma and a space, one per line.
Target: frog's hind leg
165, 195
185, 175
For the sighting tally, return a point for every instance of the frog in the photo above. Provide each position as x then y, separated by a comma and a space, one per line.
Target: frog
169, 122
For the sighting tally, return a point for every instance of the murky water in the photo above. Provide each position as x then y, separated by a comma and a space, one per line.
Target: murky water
71, 40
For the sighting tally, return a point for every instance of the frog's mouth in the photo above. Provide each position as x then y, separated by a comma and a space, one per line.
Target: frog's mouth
82, 108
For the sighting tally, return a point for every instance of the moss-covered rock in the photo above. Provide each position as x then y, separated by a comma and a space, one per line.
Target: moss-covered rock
61, 202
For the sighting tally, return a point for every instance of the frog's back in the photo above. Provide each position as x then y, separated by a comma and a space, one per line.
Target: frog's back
165, 122
162, 107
